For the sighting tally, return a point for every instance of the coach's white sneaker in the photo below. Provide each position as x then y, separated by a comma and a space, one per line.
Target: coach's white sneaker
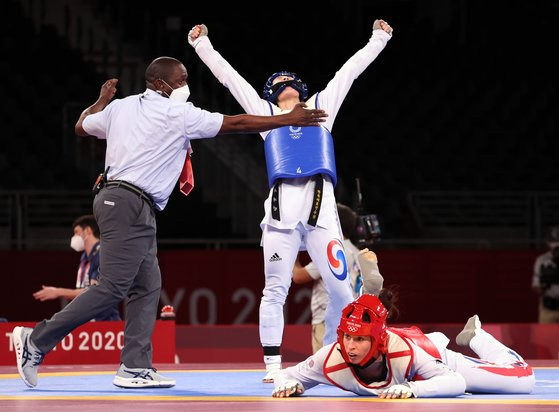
141, 378
273, 366
472, 326
28, 357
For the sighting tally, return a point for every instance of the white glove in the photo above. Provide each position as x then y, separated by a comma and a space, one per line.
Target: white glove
402, 391
370, 274
196, 32
382, 25
287, 389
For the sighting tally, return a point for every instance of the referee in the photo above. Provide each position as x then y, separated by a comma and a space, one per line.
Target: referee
148, 144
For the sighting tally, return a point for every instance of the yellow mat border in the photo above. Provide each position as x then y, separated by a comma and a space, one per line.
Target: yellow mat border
270, 399
253, 398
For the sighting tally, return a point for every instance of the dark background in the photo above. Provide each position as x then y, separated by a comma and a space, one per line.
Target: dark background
464, 97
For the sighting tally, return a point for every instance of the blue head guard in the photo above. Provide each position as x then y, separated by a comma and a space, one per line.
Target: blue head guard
272, 91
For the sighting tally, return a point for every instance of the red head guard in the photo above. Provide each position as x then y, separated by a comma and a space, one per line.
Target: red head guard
353, 323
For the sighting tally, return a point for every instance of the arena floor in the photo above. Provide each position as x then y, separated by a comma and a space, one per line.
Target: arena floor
237, 387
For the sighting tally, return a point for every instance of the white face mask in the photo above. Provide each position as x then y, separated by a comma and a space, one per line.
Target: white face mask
77, 243
180, 94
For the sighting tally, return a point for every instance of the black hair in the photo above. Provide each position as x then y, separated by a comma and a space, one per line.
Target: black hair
161, 68
389, 298
553, 234
348, 220
87, 221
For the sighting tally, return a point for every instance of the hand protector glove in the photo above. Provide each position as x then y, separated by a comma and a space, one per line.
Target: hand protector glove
370, 274
377, 26
402, 391
287, 389
203, 32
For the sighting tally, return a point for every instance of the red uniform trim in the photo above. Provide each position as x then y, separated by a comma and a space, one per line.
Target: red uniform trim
399, 354
518, 371
336, 368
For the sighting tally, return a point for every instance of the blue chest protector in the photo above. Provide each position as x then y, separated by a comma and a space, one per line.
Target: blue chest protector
299, 152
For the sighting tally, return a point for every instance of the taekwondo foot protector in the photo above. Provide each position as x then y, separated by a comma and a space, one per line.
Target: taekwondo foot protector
472, 326
273, 366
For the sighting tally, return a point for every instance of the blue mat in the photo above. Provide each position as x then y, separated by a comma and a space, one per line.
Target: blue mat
207, 384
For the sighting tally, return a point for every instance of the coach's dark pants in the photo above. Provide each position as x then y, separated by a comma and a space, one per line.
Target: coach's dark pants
128, 267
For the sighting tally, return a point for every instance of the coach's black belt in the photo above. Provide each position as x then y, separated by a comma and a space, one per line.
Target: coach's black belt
316, 201
132, 188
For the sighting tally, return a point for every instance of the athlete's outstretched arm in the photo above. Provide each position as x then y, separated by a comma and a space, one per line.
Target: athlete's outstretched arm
296, 379
439, 379
333, 95
241, 90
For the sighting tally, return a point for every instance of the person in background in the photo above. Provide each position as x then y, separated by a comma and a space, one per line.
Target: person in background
85, 240
362, 268
545, 279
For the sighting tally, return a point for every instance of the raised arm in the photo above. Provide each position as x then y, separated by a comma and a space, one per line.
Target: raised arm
108, 90
299, 116
242, 91
333, 95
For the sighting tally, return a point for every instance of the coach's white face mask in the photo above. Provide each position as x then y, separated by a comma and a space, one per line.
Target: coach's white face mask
180, 94
77, 243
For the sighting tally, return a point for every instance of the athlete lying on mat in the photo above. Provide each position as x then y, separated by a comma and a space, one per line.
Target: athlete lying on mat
370, 358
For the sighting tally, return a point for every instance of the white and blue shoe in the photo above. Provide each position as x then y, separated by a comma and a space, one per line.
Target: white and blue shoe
28, 357
141, 378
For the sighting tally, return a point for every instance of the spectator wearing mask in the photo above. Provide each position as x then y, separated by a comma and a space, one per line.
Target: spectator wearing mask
85, 240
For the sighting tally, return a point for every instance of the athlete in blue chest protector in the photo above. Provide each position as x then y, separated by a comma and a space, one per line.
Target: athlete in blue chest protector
300, 212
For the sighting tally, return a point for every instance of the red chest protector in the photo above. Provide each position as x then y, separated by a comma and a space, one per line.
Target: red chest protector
415, 335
